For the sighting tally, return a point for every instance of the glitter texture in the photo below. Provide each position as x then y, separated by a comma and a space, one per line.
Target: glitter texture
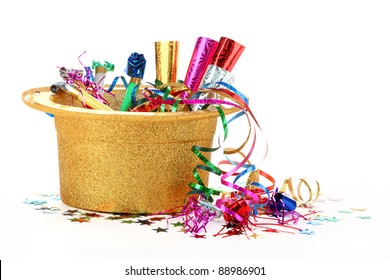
124, 162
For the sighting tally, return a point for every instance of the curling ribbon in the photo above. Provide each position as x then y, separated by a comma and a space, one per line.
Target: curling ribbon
109, 66
288, 183
251, 198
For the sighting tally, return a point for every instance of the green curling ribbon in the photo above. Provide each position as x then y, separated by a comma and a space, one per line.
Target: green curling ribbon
210, 167
174, 107
109, 66
167, 91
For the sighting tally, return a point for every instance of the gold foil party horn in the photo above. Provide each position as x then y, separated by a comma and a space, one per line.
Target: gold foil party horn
80, 95
167, 54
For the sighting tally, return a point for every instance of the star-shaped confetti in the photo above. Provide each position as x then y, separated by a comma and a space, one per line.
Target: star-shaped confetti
118, 217
199, 236
333, 219
43, 208
306, 231
320, 218
80, 220
314, 223
144, 222
159, 229
92, 215
177, 224
255, 235
345, 211
36, 202
70, 212
364, 217
307, 206
51, 196
359, 209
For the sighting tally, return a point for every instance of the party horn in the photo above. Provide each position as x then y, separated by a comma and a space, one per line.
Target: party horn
166, 53
80, 94
201, 57
285, 203
225, 58
135, 69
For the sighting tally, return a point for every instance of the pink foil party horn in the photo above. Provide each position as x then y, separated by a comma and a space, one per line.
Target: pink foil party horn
201, 57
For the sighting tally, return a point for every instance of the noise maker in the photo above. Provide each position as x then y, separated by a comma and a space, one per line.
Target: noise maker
225, 57
285, 203
201, 57
167, 53
135, 69
100, 73
80, 95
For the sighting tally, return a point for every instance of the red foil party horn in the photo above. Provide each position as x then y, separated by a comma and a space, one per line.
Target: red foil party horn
225, 57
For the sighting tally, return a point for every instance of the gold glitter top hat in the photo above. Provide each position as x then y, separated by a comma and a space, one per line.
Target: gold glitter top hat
124, 162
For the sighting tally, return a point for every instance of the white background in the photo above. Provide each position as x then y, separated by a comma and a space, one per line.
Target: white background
317, 74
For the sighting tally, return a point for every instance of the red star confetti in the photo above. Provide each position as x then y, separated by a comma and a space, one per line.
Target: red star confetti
199, 236
92, 215
271, 230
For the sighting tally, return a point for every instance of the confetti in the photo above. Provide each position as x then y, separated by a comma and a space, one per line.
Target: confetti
364, 217
345, 211
144, 222
80, 220
255, 235
314, 223
159, 229
333, 220
306, 231
267, 224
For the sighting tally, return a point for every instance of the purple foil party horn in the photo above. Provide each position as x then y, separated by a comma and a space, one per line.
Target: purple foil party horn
201, 58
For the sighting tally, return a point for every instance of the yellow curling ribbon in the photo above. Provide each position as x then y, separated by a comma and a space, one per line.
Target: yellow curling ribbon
288, 183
